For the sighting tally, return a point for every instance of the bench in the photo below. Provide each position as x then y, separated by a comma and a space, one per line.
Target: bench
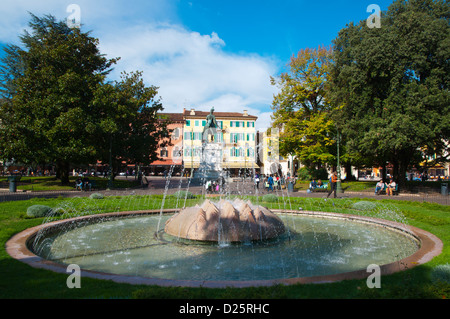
383, 191
323, 188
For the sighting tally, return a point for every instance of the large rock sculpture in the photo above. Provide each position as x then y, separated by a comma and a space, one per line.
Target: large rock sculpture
225, 222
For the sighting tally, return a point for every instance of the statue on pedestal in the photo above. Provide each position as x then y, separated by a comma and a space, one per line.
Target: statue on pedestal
210, 126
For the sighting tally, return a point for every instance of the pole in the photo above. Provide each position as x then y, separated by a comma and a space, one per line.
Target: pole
338, 183
110, 182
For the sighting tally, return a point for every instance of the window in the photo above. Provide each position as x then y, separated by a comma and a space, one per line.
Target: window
176, 153
203, 123
218, 137
188, 122
176, 133
164, 152
196, 123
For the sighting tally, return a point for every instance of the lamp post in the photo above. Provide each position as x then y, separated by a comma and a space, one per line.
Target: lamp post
110, 181
338, 183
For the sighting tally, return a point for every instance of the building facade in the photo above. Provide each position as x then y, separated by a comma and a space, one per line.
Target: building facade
171, 157
236, 135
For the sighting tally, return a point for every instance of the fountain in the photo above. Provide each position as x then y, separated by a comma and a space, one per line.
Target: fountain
230, 242
226, 222
210, 167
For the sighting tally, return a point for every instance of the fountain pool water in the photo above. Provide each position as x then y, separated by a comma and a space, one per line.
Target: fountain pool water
133, 247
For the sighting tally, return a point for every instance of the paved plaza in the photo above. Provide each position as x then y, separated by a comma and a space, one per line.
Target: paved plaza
160, 185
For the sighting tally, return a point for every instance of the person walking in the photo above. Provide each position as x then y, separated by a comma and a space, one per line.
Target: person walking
333, 183
257, 181
270, 180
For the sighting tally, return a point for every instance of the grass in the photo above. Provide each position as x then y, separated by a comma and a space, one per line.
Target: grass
18, 280
352, 186
369, 186
50, 183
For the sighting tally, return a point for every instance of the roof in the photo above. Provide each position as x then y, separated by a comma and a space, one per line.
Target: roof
172, 116
203, 114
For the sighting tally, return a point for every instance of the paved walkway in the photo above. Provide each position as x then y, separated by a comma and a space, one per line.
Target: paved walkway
160, 186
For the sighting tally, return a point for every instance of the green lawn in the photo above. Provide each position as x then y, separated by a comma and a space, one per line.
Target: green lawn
359, 186
369, 186
18, 280
50, 183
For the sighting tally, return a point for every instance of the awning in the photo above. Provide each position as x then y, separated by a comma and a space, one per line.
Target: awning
189, 165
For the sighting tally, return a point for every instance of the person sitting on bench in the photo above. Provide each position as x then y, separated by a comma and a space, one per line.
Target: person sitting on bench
391, 188
379, 187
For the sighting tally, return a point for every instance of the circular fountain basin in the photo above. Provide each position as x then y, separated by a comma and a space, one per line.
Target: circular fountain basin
316, 247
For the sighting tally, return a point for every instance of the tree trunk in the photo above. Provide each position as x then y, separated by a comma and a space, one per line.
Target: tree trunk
62, 169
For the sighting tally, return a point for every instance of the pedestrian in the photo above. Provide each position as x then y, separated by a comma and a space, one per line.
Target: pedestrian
270, 181
333, 183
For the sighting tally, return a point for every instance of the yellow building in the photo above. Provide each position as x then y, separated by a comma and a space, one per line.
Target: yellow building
236, 134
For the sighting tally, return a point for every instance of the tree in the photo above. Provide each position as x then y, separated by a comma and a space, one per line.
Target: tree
391, 83
58, 107
301, 109
129, 123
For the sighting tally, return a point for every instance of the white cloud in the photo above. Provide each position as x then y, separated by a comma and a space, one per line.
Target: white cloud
193, 70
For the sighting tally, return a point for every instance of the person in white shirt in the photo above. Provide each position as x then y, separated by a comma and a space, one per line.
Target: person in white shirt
379, 187
390, 188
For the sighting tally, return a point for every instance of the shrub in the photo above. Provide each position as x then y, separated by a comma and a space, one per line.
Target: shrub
364, 205
183, 194
307, 174
36, 211
270, 198
96, 196
441, 273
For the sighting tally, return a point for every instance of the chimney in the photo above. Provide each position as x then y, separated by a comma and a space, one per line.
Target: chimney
245, 113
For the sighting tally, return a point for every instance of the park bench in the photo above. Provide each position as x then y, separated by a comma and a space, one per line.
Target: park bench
383, 191
323, 188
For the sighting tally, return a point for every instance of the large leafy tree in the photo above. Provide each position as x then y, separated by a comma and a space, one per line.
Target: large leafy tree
49, 118
58, 107
301, 109
391, 83
129, 122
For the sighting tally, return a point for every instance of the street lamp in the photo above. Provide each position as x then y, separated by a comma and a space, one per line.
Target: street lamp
338, 183
110, 181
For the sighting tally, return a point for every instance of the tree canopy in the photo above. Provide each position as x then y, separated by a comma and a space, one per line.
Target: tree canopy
390, 84
59, 108
301, 108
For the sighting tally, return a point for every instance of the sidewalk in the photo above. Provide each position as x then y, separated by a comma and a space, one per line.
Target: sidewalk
161, 186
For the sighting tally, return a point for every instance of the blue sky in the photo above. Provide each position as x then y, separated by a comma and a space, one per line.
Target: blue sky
201, 53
